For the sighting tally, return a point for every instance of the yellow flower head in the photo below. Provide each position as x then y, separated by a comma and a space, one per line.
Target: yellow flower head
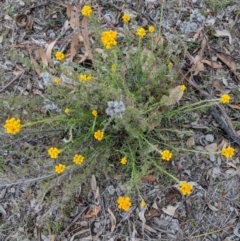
185, 188
166, 155
183, 87
94, 113
124, 203
78, 159
98, 135
66, 110
225, 98
170, 65
125, 18
109, 38
114, 67
228, 152
59, 55
53, 152
60, 168
85, 77
12, 126
141, 32
56, 80
151, 29
142, 204
86, 11
124, 161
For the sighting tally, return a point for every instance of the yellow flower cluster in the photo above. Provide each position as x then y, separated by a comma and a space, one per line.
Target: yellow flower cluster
56, 80
151, 29
225, 98
143, 204
183, 87
84, 77
98, 135
60, 168
124, 203
59, 55
125, 18
109, 38
166, 155
78, 159
141, 32
124, 161
86, 11
12, 126
67, 110
228, 152
53, 152
185, 188
94, 113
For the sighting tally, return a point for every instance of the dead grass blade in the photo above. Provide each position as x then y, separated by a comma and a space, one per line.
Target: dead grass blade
113, 220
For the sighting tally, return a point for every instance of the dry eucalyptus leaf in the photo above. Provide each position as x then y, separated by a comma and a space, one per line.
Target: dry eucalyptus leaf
175, 95
170, 210
224, 33
213, 64
190, 142
93, 212
211, 147
214, 209
198, 65
113, 220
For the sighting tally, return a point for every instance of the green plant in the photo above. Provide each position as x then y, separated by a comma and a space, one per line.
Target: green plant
121, 106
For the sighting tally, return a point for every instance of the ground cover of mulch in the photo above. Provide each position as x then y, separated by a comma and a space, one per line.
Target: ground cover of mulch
210, 31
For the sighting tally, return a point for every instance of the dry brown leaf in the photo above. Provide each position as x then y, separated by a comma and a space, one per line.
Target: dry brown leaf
228, 61
101, 51
214, 209
214, 65
190, 142
153, 212
43, 56
197, 34
198, 65
74, 44
49, 53
69, 10
23, 20
113, 220
34, 62
74, 21
170, 210
203, 46
175, 95
85, 35
211, 147
224, 33
94, 186
237, 107
93, 212
148, 179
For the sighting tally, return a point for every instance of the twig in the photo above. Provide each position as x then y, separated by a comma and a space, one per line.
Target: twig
208, 233
14, 79
26, 181
74, 220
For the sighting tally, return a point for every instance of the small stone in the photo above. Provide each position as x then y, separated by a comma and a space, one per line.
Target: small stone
209, 138
22, 4
12, 190
54, 16
212, 157
52, 35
